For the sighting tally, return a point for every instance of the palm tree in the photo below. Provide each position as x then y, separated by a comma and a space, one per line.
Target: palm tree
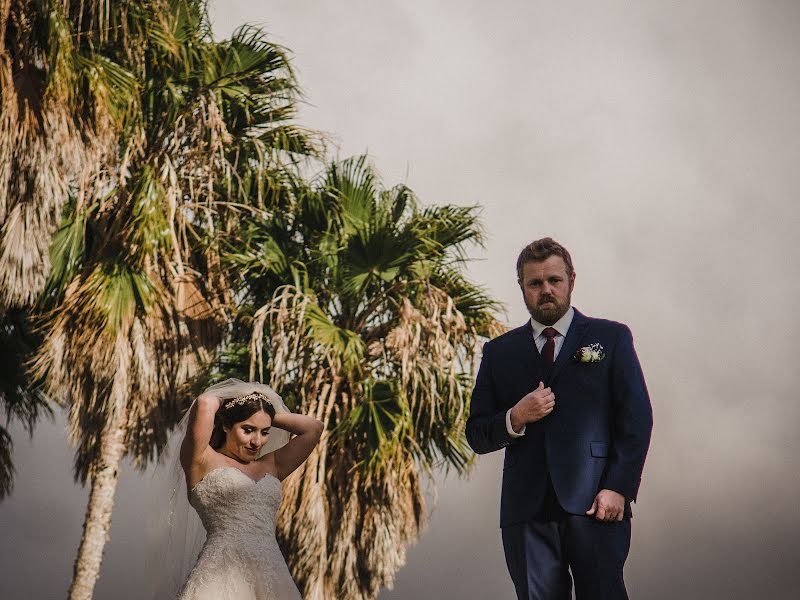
135, 300
375, 336
58, 121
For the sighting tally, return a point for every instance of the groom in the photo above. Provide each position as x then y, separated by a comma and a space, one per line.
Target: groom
565, 396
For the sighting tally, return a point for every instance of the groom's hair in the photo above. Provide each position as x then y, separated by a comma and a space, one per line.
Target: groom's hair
541, 250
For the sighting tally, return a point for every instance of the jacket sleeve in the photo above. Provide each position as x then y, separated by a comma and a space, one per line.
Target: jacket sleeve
632, 420
486, 427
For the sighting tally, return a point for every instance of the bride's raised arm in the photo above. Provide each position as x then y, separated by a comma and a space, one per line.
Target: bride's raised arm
199, 429
307, 432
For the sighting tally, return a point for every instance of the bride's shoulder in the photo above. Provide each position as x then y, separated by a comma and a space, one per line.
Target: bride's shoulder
202, 463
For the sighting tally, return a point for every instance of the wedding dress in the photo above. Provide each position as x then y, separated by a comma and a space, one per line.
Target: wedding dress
240, 559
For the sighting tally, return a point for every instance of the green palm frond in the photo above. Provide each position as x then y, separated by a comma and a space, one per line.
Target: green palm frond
111, 87
375, 255
66, 253
114, 292
343, 343
261, 257
290, 139
249, 53
355, 185
381, 421
449, 229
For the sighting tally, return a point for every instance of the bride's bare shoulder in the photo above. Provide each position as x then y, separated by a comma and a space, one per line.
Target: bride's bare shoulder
200, 466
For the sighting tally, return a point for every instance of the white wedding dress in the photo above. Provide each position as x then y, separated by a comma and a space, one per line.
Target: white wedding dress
240, 559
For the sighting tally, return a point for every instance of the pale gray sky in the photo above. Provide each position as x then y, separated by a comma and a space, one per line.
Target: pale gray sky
659, 142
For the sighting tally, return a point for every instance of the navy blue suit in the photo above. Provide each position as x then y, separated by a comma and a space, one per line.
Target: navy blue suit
595, 438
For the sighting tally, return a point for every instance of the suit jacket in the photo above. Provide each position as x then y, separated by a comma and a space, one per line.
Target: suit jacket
597, 435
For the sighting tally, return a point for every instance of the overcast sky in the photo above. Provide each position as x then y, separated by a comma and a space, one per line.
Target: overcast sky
659, 142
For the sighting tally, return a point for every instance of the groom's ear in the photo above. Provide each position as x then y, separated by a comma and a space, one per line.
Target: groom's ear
572, 281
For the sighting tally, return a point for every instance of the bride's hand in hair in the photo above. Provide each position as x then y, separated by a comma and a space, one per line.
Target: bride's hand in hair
208, 402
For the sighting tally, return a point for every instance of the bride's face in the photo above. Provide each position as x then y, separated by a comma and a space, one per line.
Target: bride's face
245, 438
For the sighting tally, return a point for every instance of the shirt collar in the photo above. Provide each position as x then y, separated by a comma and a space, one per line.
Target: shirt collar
561, 326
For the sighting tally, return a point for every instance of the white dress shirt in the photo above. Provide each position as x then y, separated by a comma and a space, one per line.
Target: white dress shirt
561, 326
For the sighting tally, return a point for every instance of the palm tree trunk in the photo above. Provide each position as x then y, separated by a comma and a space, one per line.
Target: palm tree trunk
98, 513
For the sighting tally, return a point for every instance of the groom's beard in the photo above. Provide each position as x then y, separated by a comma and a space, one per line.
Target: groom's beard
549, 313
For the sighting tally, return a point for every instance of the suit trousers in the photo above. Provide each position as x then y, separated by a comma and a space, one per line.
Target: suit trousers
541, 554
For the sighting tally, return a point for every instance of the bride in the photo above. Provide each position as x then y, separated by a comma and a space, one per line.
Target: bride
235, 453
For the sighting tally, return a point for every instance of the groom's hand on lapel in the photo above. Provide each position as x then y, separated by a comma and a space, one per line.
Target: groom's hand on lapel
533, 406
608, 506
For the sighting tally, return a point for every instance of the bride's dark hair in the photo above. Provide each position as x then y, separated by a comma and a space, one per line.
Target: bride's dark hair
234, 411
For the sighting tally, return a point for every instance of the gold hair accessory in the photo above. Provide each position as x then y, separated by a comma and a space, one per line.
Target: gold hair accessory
244, 399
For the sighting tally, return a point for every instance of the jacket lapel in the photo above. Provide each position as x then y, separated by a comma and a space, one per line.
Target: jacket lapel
574, 336
529, 356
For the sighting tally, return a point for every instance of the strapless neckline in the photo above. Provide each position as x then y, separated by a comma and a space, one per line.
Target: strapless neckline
226, 467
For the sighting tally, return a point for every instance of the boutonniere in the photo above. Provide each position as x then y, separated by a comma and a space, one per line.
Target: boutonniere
592, 353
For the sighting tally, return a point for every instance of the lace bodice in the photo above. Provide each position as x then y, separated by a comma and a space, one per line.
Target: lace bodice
240, 558
229, 501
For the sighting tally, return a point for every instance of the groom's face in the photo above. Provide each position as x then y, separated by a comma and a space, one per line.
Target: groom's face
547, 289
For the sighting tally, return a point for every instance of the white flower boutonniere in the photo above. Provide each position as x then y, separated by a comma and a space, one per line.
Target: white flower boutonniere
592, 353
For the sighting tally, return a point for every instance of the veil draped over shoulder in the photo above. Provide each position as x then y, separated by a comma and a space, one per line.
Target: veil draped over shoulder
179, 535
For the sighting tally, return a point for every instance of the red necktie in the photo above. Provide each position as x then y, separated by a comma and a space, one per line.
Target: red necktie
549, 350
